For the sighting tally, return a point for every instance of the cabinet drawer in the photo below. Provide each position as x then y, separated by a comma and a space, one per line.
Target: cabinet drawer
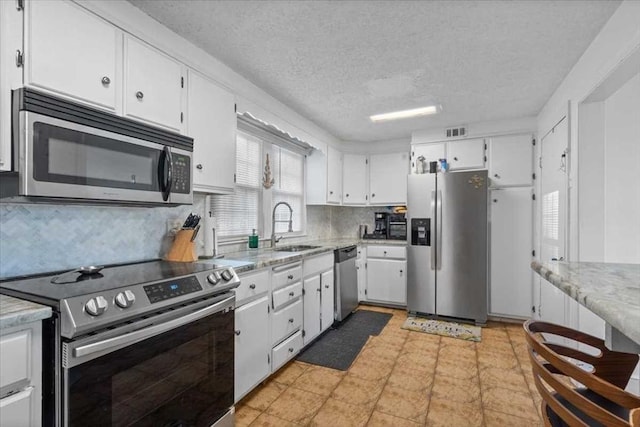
285, 295
251, 285
391, 252
318, 264
17, 409
286, 350
286, 321
15, 360
286, 275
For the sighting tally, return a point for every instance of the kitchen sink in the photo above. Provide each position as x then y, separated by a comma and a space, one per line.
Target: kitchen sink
295, 248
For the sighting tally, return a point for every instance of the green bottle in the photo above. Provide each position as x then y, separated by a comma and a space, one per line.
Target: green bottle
253, 240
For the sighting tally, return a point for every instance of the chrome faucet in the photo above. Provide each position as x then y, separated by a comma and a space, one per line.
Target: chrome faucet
273, 222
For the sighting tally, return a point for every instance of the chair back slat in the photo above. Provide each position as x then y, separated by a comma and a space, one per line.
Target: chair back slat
611, 372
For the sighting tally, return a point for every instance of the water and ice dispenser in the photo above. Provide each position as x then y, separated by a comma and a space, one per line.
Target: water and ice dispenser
420, 231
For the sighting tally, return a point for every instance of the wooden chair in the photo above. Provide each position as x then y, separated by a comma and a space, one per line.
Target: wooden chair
601, 400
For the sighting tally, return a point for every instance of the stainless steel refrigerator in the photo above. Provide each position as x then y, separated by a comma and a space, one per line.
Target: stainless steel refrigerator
447, 245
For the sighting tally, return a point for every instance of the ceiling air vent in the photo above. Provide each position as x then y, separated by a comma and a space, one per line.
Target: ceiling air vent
456, 132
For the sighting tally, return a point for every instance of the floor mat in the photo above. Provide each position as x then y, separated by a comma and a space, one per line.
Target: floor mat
446, 329
339, 347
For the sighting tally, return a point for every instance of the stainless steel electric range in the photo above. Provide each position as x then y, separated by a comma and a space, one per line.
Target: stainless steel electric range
145, 344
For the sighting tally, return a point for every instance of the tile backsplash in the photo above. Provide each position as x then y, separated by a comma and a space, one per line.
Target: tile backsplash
37, 238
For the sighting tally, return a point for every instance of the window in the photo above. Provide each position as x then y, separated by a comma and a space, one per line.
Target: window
251, 206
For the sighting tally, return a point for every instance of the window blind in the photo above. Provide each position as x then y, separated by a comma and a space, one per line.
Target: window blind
239, 213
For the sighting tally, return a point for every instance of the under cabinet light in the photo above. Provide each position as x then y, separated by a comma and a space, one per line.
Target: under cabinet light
405, 114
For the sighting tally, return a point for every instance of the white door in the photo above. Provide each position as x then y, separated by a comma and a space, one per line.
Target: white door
252, 350
311, 299
354, 179
423, 154
466, 154
327, 299
387, 281
153, 85
511, 245
212, 125
72, 52
511, 160
388, 178
334, 176
553, 215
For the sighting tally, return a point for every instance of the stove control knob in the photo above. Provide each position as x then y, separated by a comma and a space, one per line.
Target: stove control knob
213, 278
227, 275
96, 306
125, 299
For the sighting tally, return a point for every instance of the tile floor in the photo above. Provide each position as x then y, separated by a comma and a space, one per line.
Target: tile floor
406, 378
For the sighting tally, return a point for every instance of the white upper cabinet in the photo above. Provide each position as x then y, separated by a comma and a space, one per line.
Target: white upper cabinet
388, 178
466, 154
72, 52
511, 160
430, 152
354, 179
334, 176
212, 124
153, 85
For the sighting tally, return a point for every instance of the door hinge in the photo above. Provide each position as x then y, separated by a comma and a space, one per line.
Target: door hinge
234, 178
540, 162
533, 253
533, 176
268, 309
19, 58
181, 117
485, 158
533, 308
235, 108
533, 196
303, 291
268, 358
365, 291
304, 332
366, 161
20, 5
485, 145
533, 141
182, 82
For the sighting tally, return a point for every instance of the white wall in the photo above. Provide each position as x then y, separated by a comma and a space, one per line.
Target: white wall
622, 174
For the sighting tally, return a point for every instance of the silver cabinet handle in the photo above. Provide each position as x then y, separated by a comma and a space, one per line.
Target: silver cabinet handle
330, 192
347, 194
106, 81
373, 194
290, 276
400, 272
290, 320
139, 95
291, 294
326, 286
455, 158
252, 286
199, 166
237, 332
497, 176
290, 349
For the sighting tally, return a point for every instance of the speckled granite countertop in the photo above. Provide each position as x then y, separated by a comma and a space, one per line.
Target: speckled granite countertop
16, 312
612, 291
254, 259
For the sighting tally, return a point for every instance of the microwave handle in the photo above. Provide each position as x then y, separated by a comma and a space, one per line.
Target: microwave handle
167, 161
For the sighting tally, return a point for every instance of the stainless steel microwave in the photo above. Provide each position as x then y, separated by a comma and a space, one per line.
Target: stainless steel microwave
64, 150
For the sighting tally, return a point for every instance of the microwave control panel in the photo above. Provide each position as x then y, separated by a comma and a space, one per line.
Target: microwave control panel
181, 168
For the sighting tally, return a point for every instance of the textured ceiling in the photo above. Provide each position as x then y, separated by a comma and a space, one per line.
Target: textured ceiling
337, 62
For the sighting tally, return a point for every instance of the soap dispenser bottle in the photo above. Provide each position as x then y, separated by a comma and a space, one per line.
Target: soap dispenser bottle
253, 240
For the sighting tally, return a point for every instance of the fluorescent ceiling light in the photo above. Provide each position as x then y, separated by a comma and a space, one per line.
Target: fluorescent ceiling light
405, 114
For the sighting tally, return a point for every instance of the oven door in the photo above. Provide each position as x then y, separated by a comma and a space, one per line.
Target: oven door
176, 372
70, 160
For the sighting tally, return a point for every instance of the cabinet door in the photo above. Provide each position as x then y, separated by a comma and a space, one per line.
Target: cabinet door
334, 176
388, 178
252, 345
312, 292
387, 281
466, 154
153, 85
430, 152
511, 244
72, 52
17, 409
212, 124
510, 160
361, 274
354, 179
327, 300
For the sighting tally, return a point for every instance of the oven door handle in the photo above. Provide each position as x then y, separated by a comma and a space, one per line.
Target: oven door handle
142, 334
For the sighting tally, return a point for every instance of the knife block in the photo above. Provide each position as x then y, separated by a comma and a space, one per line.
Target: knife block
183, 249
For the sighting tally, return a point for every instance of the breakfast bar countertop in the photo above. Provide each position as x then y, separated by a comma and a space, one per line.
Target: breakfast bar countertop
611, 291
17, 312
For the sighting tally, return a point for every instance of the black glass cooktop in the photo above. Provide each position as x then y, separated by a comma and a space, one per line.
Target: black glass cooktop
71, 284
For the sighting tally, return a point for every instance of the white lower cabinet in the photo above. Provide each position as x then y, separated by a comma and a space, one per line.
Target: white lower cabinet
286, 321
387, 281
252, 345
286, 350
327, 300
312, 290
287, 314
20, 375
319, 298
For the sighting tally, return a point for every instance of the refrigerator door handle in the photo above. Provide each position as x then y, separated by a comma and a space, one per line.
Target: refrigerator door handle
439, 230
431, 230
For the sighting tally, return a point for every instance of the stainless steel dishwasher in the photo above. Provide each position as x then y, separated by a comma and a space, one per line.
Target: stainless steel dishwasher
346, 282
